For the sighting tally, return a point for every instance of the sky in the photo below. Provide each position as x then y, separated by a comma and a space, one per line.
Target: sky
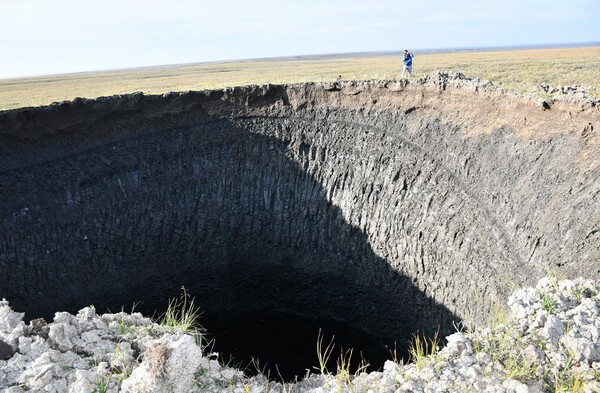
42, 37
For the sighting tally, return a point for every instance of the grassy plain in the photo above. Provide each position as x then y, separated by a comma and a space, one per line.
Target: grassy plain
519, 70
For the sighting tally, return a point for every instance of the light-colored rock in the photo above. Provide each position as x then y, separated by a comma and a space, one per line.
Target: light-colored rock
553, 329
63, 317
167, 367
592, 386
11, 325
458, 345
515, 386
61, 336
85, 381
40, 372
14, 389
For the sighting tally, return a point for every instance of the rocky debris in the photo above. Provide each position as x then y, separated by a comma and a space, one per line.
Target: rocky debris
549, 342
545, 95
455, 78
572, 94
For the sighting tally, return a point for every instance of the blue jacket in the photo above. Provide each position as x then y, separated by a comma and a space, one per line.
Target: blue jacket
408, 59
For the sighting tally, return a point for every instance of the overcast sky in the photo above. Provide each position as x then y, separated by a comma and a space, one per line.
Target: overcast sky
39, 37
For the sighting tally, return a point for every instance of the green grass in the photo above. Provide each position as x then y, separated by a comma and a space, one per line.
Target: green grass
101, 387
519, 367
182, 314
324, 353
569, 379
102, 382
507, 351
519, 70
548, 303
422, 347
344, 382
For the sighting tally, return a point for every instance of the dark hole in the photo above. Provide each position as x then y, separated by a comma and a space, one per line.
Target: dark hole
284, 346
267, 319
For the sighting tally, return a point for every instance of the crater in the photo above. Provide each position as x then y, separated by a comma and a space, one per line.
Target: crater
367, 210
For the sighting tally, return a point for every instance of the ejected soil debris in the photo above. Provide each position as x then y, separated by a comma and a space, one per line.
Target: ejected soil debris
531, 348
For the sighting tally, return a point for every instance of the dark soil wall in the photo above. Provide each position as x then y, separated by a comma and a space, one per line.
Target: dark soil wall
387, 206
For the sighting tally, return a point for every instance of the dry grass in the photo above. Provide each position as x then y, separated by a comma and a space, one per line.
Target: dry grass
518, 70
158, 357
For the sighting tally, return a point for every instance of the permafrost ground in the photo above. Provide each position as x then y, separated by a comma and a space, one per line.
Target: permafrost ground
390, 207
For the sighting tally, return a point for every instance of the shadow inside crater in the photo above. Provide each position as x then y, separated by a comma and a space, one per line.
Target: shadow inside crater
229, 215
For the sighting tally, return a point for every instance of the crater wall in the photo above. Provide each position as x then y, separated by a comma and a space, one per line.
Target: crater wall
431, 199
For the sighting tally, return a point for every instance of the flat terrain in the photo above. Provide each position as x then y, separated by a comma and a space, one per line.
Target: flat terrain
519, 70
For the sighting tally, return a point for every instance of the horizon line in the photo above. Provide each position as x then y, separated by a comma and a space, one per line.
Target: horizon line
426, 51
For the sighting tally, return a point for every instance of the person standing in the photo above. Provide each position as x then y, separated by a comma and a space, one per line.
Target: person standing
407, 63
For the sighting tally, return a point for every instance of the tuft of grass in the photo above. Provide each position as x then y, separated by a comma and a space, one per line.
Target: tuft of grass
323, 354
555, 277
183, 314
422, 347
66, 367
101, 384
394, 354
569, 379
122, 372
499, 315
506, 350
578, 382
548, 303
519, 367
343, 376
123, 328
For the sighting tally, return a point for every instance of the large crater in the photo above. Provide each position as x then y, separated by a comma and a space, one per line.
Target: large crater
373, 209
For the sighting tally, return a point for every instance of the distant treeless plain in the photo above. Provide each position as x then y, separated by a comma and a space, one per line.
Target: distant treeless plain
518, 70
